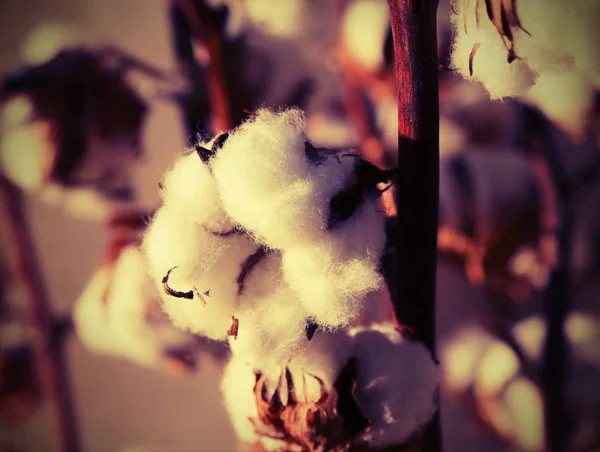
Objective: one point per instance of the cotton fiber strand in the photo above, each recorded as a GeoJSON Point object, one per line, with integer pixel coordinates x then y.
{"type": "Point", "coordinates": [397, 383]}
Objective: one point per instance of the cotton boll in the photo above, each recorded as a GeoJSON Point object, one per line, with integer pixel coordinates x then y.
{"type": "Point", "coordinates": [489, 64]}
{"type": "Point", "coordinates": [364, 30]}
{"type": "Point", "coordinates": [47, 39]}
{"type": "Point", "coordinates": [190, 190]}
{"type": "Point", "coordinates": [461, 355]}
{"type": "Point", "coordinates": [27, 154]}
{"type": "Point", "coordinates": [237, 387]}
{"type": "Point", "coordinates": [332, 277]}
{"type": "Point", "coordinates": [110, 314]}
{"type": "Point", "coordinates": [280, 19]}
{"type": "Point", "coordinates": [206, 264]}
{"type": "Point", "coordinates": [396, 386]}
{"type": "Point", "coordinates": [566, 98]}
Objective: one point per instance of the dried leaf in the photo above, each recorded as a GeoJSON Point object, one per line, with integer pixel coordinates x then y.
{"type": "Point", "coordinates": [189, 295]}
{"type": "Point", "coordinates": [472, 57]}
{"type": "Point", "coordinates": [247, 267]}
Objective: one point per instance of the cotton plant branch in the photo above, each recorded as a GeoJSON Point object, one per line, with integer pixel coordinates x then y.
{"type": "Point", "coordinates": [49, 356]}
{"type": "Point", "coordinates": [203, 28]}
{"type": "Point", "coordinates": [416, 64]}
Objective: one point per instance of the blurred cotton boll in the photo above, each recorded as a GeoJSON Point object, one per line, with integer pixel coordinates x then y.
{"type": "Point", "coordinates": [396, 384]}
{"type": "Point", "coordinates": [112, 315]}
{"type": "Point", "coordinates": [364, 31]}
{"type": "Point", "coordinates": [46, 39]}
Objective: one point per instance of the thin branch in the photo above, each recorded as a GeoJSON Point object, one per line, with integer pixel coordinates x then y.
{"type": "Point", "coordinates": [204, 29]}
{"type": "Point", "coordinates": [416, 64]}
{"type": "Point", "coordinates": [48, 353]}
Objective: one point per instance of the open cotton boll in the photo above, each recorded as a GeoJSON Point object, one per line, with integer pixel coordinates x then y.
{"type": "Point", "coordinates": [489, 64]}
{"type": "Point", "coordinates": [206, 264]}
{"type": "Point", "coordinates": [396, 384]}
{"type": "Point", "coordinates": [333, 276]}
{"type": "Point", "coordinates": [364, 31]}
{"type": "Point", "coordinates": [566, 98]}
{"type": "Point", "coordinates": [190, 191]}
{"type": "Point", "coordinates": [237, 387]}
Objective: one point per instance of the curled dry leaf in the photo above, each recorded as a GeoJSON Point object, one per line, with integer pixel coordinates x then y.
{"type": "Point", "coordinates": [189, 295]}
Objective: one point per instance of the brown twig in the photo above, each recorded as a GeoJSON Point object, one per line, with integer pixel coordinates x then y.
{"type": "Point", "coordinates": [203, 29]}
{"type": "Point", "coordinates": [416, 64]}
{"type": "Point", "coordinates": [48, 353]}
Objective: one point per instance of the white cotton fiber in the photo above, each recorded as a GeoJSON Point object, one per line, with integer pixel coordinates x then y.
{"type": "Point", "coordinates": [489, 64]}
{"type": "Point", "coordinates": [190, 191]}
{"type": "Point", "coordinates": [271, 331]}
{"type": "Point", "coordinates": [333, 276]}
{"type": "Point", "coordinates": [206, 264]}
{"type": "Point", "coordinates": [267, 183]}
{"type": "Point", "coordinates": [111, 314]}
{"type": "Point", "coordinates": [237, 387]}
{"type": "Point", "coordinates": [397, 384]}
{"type": "Point", "coordinates": [364, 30]}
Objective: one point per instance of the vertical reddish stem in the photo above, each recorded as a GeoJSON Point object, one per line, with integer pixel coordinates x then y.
{"type": "Point", "coordinates": [416, 64]}
{"type": "Point", "coordinates": [49, 356]}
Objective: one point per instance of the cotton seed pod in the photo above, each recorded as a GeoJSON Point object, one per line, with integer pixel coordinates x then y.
{"type": "Point", "coordinates": [112, 314]}
{"type": "Point", "coordinates": [396, 384]}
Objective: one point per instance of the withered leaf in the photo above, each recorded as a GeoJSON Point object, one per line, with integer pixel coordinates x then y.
{"type": "Point", "coordinates": [247, 267]}
{"type": "Point", "coordinates": [233, 329]}
{"type": "Point", "coordinates": [472, 57]}
{"type": "Point", "coordinates": [189, 295]}
{"type": "Point", "coordinates": [219, 142]}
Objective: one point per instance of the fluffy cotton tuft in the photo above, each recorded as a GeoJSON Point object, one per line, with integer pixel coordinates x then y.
{"type": "Point", "coordinates": [191, 192]}
{"type": "Point", "coordinates": [364, 31]}
{"type": "Point", "coordinates": [489, 64]}
{"type": "Point", "coordinates": [268, 185]}
{"type": "Point", "coordinates": [201, 262]}
{"type": "Point", "coordinates": [396, 386]}
{"type": "Point", "coordinates": [111, 314]}
{"type": "Point", "coordinates": [557, 65]}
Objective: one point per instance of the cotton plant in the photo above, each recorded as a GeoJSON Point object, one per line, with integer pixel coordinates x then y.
{"type": "Point", "coordinates": [117, 315]}
{"type": "Point", "coordinates": [505, 46]}
{"type": "Point", "coordinates": [506, 393]}
{"type": "Point", "coordinates": [365, 386]}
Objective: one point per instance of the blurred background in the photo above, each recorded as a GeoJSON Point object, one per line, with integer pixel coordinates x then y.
{"type": "Point", "coordinates": [98, 97]}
